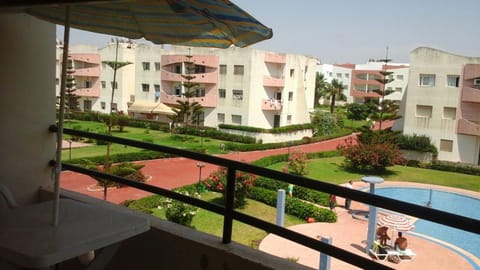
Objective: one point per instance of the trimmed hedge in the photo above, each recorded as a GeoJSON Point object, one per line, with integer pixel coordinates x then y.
{"type": "Point", "coordinates": [293, 206]}
{"type": "Point", "coordinates": [215, 134]}
{"type": "Point", "coordinates": [270, 160]}
{"type": "Point", "coordinates": [283, 129]}
{"type": "Point", "coordinates": [455, 167]}
{"type": "Point", "coordinates": [253, 147]}
{"type": "Point", "coordinates": [302, 193]}
{"type": "Point", "coordinates": [124, 157]}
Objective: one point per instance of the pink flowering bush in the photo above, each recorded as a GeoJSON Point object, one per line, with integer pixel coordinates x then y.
{"type": "Point", "coordinates": [372, 157]}
{"type": "Point", "coordinates": [217, 181]}
{"type": "Point", "coordinates": [297, 163]}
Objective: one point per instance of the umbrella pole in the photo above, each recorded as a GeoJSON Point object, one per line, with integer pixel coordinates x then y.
{"type": "Point", "coordinates": [61, 114]}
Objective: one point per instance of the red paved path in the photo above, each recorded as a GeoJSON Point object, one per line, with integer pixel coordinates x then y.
{"type": "Point", "coordinates": [176, 172]}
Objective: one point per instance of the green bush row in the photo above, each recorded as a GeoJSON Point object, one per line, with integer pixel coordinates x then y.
{"type": "Point", "coordinates": [302, 193]}
{"type": "Point", "coordinates": [293, 206]}
{"type": "Point", "coordinates": [123, 157]}
{"type": "Point", "coordinates": [283, 129]}
{"type": "Point", "coordinates": [265, 146]}
{"type": "Point", "coordinates": [421, 143]}
{"type": "Point", "coordinates": [215, 134]}
{"type": "Point", "coordinates": [270, 160]}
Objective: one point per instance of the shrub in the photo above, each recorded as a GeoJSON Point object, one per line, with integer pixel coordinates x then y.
{"type": "Point", "coordinates": [372, 157]}
{"type": "Point", "coordinates": [421, 143]}
{"type": "Point", "coordinates": [217, 181]}
{"type": "Point", "coordinates": [180, 212]}
{"type": "Point", "coordinates": [124, 157]}
{"type": "Point", "coordinates": [297, 163]}
{"type": "Point", "coordinates": [293, 206]}
{"type": "Point", "coordinates": [126, 170]}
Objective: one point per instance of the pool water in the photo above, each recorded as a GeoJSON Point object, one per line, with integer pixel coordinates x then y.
{"type": "Point", "coordinates": [445, 201]}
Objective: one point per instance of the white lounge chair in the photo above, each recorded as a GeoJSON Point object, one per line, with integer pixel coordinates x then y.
{"type": "Point", "coordinates": [382, 256]}
{"type": "Point", "coordinates": [405, 255]}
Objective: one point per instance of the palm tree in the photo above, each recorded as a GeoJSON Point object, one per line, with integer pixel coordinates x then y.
{"type": "Point", "coordinates": [334, 91]}
{"type": "Point", "coordinates": [320, 87]}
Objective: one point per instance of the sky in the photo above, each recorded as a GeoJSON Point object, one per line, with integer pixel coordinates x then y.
{"type": "Point", "coordinates": [352, 31]}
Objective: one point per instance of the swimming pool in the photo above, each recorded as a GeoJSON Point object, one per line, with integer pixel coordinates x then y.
{"type": "Point", "coordinates": [446, 201]}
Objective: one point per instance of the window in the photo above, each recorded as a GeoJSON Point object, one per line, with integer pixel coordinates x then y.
{"type": "Point", "coordinates": [424, 111]}
{"type": "Point", "coordinates": [102, 105]}
{"type": "Point", "coordinates": [289, 119]}
{"type": "Point", "coordinates": [237, 94]}
{"type": "Point", "coordinates": [157, 66]}
{"type": "Point", "coordinates": [449, 113]}
{"type": "Point", "coordinates": [339, 75]}
{"type": "Point", "coordinates": [200, 92]}
{"type": "Point", "coordinates": [427, 80]}
{"type": "Point", "coordinates": [398, 89]}
{"type": "Point", "coordinates": [223, 69]}
{"type": "Point", "coordinates": [104, 84]}
{"type": "Point", "coordinates": [238, 69]}
{"type": "Point", "coordinates": [389, 88]}
{"type": "Point", "coordinates": [399, 77]}
{"type": "Point", "coordinates": [292, 72]}
{"type": "Point", "coordinates": [146, 65]}
{"type": "Point", "coordinates": [116, 85]}
{"type": "Point", "coordinates": [178, 68]}
{"type": "Point", "coordinates": [221, 118]}
{"type": "Point", "coordinates": [290, 96]}
{"type": "Point", "coordinates": [157, 91]}
{"type": "Point", "coordinates": [476, 82]}
{"type": "Point", "coordinates": [88, 84]}
{"type": "Point", "coordinates": [57, 81]}
{"type": "Point", "coordinates": [222, 93]}
{"type": "Point", "coordinates": [114, 107]}
{"type": "Point", "coordinates": [236, 119]}
{"type": "Point", "coordinates": [347, 75]}
{"type": "Point", "coordinates": [446, 145]}
{"type": "Point", "coordinates": [199, 69]}
{"type": "Point", "coordinates": [145, 87]}
{"type": "Point", "coordinates": [87, 105]}
{"type": "Point", "coordinates": [453, 80]}
{"type": "Point", "coordinates": [177, 90]}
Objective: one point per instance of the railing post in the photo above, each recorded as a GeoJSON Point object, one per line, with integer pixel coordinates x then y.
{"type": "Point", "coordinates": [229, 199]}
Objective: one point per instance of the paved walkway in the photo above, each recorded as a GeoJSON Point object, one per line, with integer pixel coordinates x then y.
{"type": "Point", "coordinates": [177, 172]}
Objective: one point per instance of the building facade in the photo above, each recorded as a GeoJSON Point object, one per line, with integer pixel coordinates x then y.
{"type": "Point", "coordinates": [240, 86]}
{"type": "Point", "coordinates": [443, 102]}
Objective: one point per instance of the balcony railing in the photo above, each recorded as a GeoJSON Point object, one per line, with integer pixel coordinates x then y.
{"type": "Point", "coordinates": [229, 214]}
{"type": "Point", "coordinates": [271, 105]}
{"type": "Point", "coordinates": [273, 82]}
{"type": "Point", "coordinates": [468, 127]}
{"type": "Point", "coordinates": [470, 94]}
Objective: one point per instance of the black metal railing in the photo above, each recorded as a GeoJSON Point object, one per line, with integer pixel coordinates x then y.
{"type": "Point", "coordinates": [442, 217]}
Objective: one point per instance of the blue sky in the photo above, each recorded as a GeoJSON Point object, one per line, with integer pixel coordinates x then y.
{"type": "Point", "coordinates": [354, 31]}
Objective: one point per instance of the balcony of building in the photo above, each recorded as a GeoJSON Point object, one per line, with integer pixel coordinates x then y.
{"type": "Point", "coordinates": [207, 101]}
{"type": "Point", "coordinates": [87, 72]}
{"type": "Point", "coordinates": [275, 58]}
{"type": "Point", "coordinates": [166, 245]}
{"type": "Point", "coordinates": [467, 127]}
{"type": "Point", "coordinates": [271, 105]}
{"type": "Point", "coordinates": [210, 61]}
{"type": "Point", "coordinates": [93, 91]}
{"type": "Point", "coordinates": [207, 78]}
{"type": "Point", "coordinates": [470, 94]}
{"type": "Point", "coordinates": [363, 94]}
{"type": "Point", "coordinates": [269, 81]}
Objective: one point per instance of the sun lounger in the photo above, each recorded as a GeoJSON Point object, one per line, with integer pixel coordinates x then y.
{"type": "Point", "coordinates": [405, 255]}
{"type": "Point", "coordinates": [382, 253]}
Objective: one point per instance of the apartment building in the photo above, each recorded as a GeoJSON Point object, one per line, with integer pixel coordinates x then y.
{"type": "Point", "coordinates": [443, 102]}
{"type": "Point", "coordinates": [360, 80]}
{"type": "Point", "coordinates": [242, 86]}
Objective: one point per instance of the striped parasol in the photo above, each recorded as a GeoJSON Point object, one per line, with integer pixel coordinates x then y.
{"type": "Point", "coordinates": [396, 222]}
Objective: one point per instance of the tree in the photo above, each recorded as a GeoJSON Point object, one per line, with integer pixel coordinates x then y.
{"type": "Point", "coordinates": [71, 99]}
{"type": "Point", "coordinates": [320, 87]}
{"type": "Point", "coordinates": [115, 65]}
{"type": "Point", "coordinates": [334, 91]}
{"type": "Point", "coordinates": [186, 111]}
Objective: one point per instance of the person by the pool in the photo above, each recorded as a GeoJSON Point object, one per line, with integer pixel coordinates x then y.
{"type": "Point", "coordinates": [401, 242]}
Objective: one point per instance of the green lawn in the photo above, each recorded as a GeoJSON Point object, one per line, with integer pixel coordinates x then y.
{"type": "Point", "coordinates": [139, 134]}
{"type": "Point", "coordinates": [212, 223]}
{"type": "Point", "coordinates": [330, 170]}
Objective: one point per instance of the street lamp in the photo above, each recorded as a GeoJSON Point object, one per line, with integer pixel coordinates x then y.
{"type": "Point", "coordinates": [200, 165]}
{"type": "Point", "coordinates": [70, 149]}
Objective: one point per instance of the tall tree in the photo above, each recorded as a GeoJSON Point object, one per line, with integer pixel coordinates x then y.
{"type": "Point", "coordinates": [334, 91]}
{"type": "Point", "coordinates": [387, 109]}
{"type": "Point", "coordinates": [186, 110]}
{"type": "Point", "coordinates": [115, 65]}
{"type": "Point", "coordinates": [320, 87]}
{"type": "Point", "coordinates": [71, 99]}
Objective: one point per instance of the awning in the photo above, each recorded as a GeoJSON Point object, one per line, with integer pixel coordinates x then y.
{"type": "Point", "coordinates": [150, 107]}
